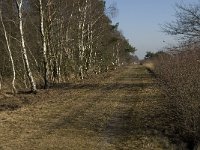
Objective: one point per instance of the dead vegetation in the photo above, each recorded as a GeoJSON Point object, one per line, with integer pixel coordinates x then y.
{"type": "Point", "coordinates": [177, 73]}
{"type": "Point", "coordinates": [120, 110]}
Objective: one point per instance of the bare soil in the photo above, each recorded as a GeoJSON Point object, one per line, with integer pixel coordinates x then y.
{"type": "Point", "coordinates": [122, 109]}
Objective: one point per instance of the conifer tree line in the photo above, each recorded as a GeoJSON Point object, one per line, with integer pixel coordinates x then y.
{"type": "Point", "coordinates": [53, 41]}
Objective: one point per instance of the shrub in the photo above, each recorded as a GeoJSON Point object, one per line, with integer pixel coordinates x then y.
{"type": "Point", "coordinates": [179, 76]}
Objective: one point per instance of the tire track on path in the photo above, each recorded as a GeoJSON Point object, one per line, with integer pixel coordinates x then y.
{"type": "Point", "coordinates": [119, 112]}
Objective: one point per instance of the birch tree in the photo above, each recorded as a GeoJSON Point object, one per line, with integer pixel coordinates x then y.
{"type": "Point", "coordinates": [24, 51]}
{"type": "Point", "coordinates": [64, 39]}
{"type": "Point", "coordinates": [82, 30]}
{"type": "Point", "coordinates": [45, 60]}
{"type": "Point", "coordinates": [9, 52]}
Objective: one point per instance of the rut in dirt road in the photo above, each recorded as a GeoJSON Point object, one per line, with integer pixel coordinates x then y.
{"type": "Point", "coordinates": [123, 110]}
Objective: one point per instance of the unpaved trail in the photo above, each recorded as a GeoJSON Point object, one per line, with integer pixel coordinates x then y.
{"type": "Point", "coordinates": [122, 111]}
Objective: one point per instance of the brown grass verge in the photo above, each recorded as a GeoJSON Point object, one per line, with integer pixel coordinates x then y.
{"type": "Point", "coordinates": [123, 110]}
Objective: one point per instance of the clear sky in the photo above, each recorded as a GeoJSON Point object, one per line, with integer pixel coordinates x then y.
{"type": "Point", "coordinates": [140, 22]}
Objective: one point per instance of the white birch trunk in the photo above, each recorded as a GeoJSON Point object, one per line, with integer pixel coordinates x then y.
{"type": "Point", "coordinates": [82, 31]}
{"type": "Point", "coordinates": [91, 46]}
{"type": "Point", "coordinates": [24, 51]}
{"type": "Point", "coordinates": [10, 54]}
{"type": "Point", "coordinates": [45, 60]}
{"type": "Point", "coordinates": [117, 55]}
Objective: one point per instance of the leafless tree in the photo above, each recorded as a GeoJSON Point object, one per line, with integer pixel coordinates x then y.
{"type": "Point", "coordinates": [9, 51]}
{"type": "Point", "coordinates": [44, 42]}
{"type": "Point", "coordinates": [187, 23]}
{"type": "Point", "coordinates": [24, 51]}
{"type": "Point", "coordinates": [60, 40]}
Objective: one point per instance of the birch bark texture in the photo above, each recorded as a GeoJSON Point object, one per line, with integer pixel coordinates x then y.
{"type": "Point", "coordinates": [44, 43]}
{"type": "Point", "coordinates": [24, 51]}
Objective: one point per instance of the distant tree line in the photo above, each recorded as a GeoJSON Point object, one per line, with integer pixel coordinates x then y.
{"type": "Point", "coordinates": [53, 41]}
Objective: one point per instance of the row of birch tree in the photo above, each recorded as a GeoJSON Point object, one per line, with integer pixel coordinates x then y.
{"type": "Point", "coordinates": [53, 41]}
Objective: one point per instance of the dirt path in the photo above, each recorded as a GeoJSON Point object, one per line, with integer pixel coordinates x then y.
{"type": "Point", "coordinates": [123, 111]}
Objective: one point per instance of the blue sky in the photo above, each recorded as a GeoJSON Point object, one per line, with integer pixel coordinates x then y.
{"type": "Point", "coordinates": [140, 21]}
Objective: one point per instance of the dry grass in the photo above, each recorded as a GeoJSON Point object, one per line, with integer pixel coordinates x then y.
{"type": "Point", "coordinates": [119, 110]}
{"type": "Point", "coordinates": [149, 64]}
{"type": "Point", "coordinates": [180, 81]}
